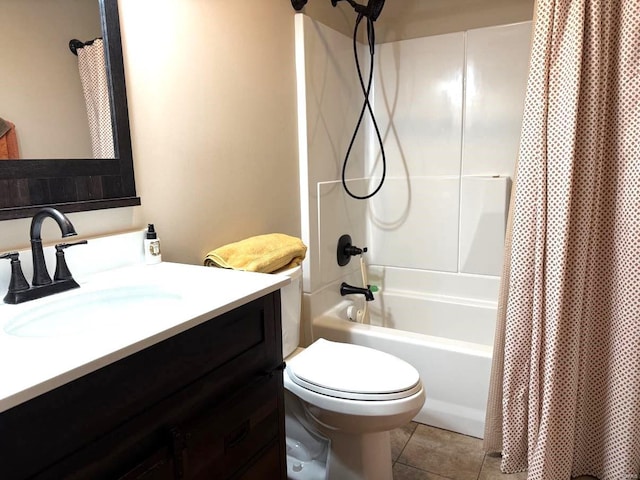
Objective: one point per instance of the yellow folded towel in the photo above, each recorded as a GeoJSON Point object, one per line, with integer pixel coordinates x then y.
{"type": "Point", "coordinates": [264, 253]}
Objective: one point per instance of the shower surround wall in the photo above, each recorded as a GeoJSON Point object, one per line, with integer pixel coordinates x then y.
{"type": "Point", "coordinates": [449, 109]}
{"type": "Point", "coordinates": [329, 98]}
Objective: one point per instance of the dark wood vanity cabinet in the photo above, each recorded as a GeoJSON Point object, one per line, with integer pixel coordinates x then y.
{"type": "Point", "coordinates": [207, 403]}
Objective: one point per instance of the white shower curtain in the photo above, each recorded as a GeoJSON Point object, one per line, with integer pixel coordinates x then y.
{"type": "Point", "coordinates": [93, 74]}
{"type": "Point", "coordinates": [565, 387]}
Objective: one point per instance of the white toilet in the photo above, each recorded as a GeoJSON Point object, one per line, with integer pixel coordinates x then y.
{"type": "Point", "coordinates": [341, 402]}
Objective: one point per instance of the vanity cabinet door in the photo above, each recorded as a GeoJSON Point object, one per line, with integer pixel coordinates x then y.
{"type": "Point", "coordinates": [225, 441]}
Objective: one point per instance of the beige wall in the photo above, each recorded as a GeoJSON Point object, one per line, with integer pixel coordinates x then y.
{"type": "Point", "coordinates": [212, 101]}
{"type": "Point", "coordinates": [404, 19]}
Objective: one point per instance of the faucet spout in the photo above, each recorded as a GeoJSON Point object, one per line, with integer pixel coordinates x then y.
{"type": "Point", "coordinates": [40, 273]}
{"type": "Point", "coordinates": [346, 289]}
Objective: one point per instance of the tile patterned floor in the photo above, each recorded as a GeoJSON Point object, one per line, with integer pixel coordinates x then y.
{"type": "Point", "coordinates": [421, 452]}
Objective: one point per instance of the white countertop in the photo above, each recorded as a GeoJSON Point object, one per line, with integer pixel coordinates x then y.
{"type": "Point", "coordinates": [30, 366]}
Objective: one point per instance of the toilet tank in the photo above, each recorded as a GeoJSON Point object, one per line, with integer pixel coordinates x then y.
{"type": "Point", "coordinates": [291, 302]}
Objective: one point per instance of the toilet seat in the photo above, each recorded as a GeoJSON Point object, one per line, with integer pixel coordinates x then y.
{"type": "Point", "coordinates": [353, 372]}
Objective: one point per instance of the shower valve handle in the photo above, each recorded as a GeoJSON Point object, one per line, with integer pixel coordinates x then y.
{"type": "Point", "coordinates": [353, 250]}
{"type": "Point", "coordinates": [346, 250]}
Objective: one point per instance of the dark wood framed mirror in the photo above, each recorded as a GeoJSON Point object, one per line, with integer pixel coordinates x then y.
{"type": "Point", "coordinates": [79, 184]}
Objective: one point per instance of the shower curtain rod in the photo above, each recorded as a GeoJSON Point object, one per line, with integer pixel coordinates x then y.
{"type": "Point", "coordinates": [75, 44]}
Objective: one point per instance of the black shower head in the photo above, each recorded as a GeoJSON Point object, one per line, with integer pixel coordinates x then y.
{"type": "Point", "coordinates": [372, 10]}
{"type": "Point", "coordinates": [298, 4]}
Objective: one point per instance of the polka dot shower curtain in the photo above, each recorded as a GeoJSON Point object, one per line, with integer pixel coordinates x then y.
{"type": "Point", "coordinates": [93, 74]}
{"type": "Point", "coordinates": [565, 387]}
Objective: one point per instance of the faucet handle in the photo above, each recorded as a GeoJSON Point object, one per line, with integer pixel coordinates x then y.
{"type": "Point", "coordinates": [61, 246]}
{"type": "Point", "coordinates": [62, 270]}
{"type": "Point", "coordinates": [353, 250]}
{"type": "Point", "coordinates": [17, 283]}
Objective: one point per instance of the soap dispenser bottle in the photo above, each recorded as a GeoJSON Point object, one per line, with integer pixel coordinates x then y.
{"type": "Point", "coordinates": [152, 246]}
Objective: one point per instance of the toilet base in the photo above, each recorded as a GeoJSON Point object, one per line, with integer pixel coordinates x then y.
{"type": "Point", "coordinates": [313, 447]}
{"type": "Point", "coordinates": [359, 457]}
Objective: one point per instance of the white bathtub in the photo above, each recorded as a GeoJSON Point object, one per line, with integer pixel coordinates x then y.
{"type": "Point", "coordinates": [448, 339]}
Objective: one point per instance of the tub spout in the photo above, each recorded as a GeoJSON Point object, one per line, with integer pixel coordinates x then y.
{"type": "Point", "coordinates": [346, 289]}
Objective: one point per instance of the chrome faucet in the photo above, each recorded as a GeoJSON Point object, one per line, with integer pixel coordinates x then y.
{"type": "Point", "coordinates": [346, 289]}
{"type": "Point", "coordinates": [42, 285]}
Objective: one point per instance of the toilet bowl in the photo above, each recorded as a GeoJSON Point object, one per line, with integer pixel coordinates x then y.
{"type": "Point", "coordinates": [341, 402]}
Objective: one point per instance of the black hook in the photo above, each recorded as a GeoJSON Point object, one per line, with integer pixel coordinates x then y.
{"type": "Point", "coordinates": [74, 45]}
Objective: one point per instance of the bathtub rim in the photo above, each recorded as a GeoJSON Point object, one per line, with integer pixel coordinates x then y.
{"type": "Point", "coordinates": [443, 343]}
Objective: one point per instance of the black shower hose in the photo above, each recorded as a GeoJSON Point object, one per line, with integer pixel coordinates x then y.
{"type": "Point", "coordinates": [371, 37]}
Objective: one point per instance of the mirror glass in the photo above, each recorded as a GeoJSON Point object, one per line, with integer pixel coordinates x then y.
{"type": "Point", "coordinates": [52, 102]}
{"type": "Point", "coordinates": [42, 96]}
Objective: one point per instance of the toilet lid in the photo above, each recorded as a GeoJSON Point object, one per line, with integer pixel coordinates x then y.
{"type": "Point", "coordinates": [353, 372]}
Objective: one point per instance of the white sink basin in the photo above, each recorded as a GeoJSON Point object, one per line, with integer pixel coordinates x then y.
{"type": "Point", "coordinates": [80, 312]}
